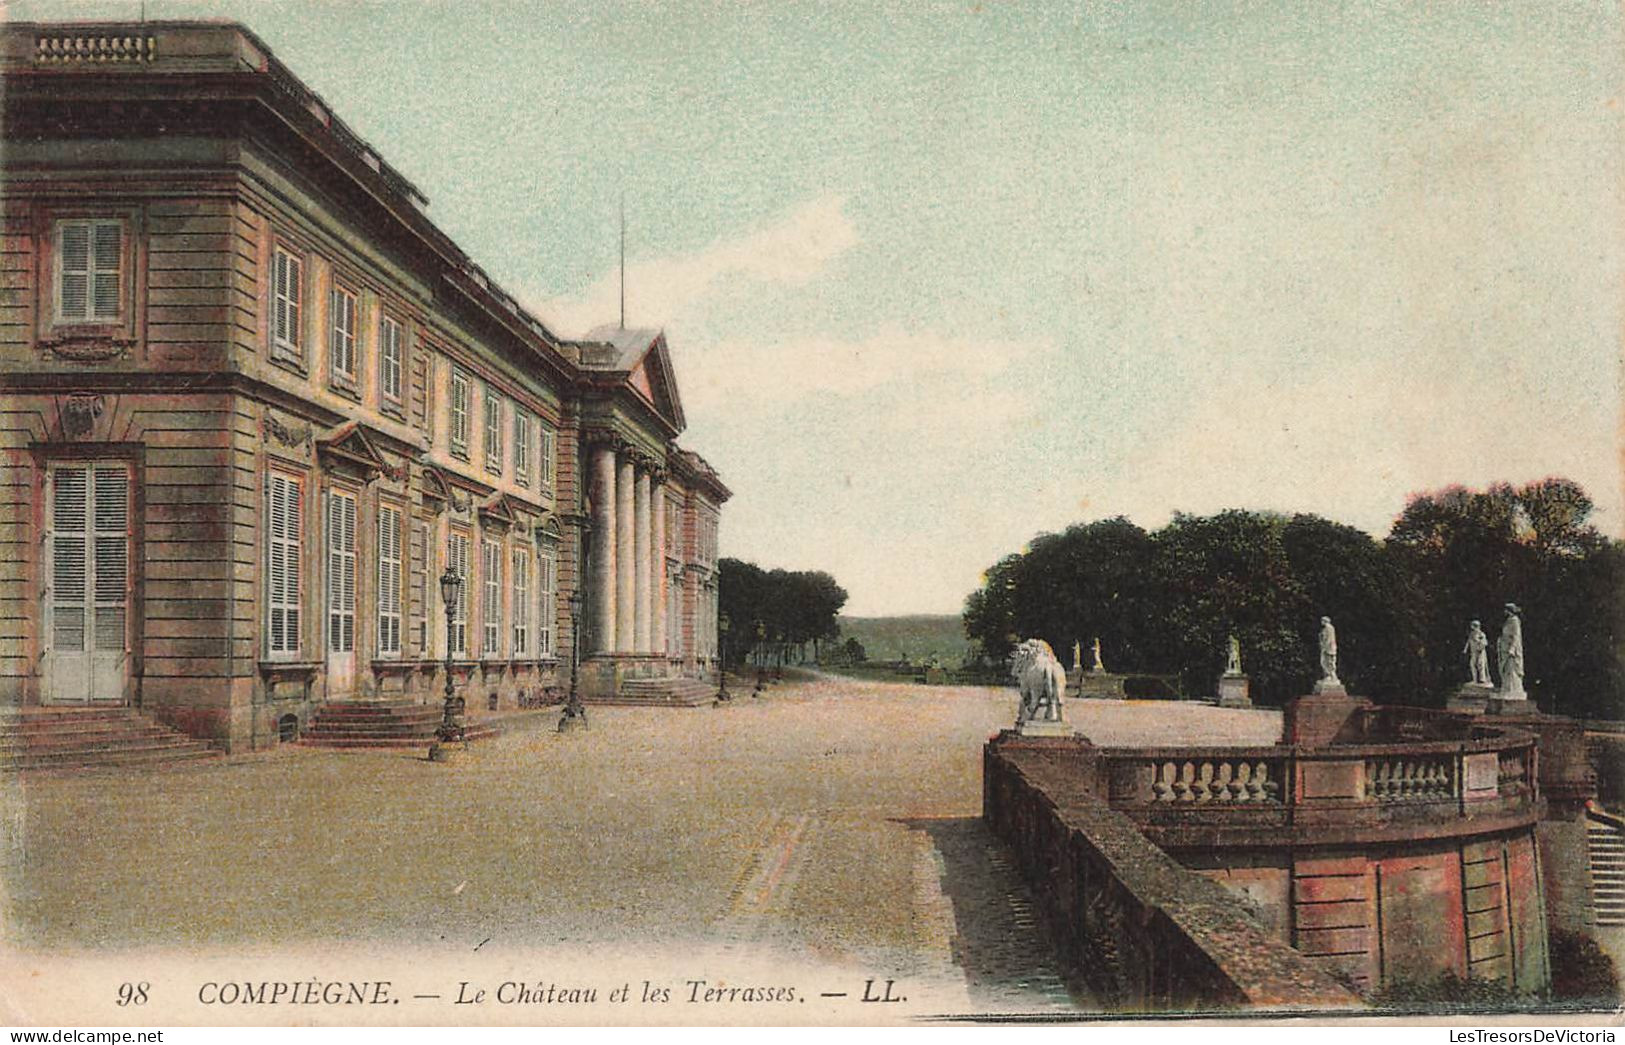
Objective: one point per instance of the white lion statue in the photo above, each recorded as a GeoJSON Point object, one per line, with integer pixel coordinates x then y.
{"type": "Point", "coordinates": [1042, 681]}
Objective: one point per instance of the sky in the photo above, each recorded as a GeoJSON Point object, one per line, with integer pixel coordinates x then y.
{"type": "Point", "coordinates": [939, 277]}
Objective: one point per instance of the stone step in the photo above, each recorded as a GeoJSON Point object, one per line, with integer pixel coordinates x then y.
{"type": "Point", "coordinates": [90, 760]}
{"type": "Point", "coordinates": [473, 733]}
{"type": "Point", "coordinates": [46, 738]}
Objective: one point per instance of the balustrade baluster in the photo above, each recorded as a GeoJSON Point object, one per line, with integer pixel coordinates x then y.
{"type": "Point", "coordinates": [1182, 785]}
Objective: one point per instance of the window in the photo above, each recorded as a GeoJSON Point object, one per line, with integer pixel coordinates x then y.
{"type": "Point", "coordinates": [457, 562]}
{"type": "Point", "coordinates": [340, 572]}
{"type": "Point", "coordinates": [491, 575]}
{"type": "Point", "coordinates": [341, 336]}
{"type": "Point", "coordinates": [493, 432]}
{"type": "Point", "coordinates": [521, 447]}
{"type": "Point", "coordinates": [389, 358]}
{"type": "Point", "coordinates": [389, 580]}
{"type": "Point", "coordinates": [547, 586]}
{"type": "Point", "coordinates": [90, 255]}
{"type": "Point", "coordinates": [547, 443]}
{"type": "Point", "coordinates": [282, 507]}
{"type": "Point", "coordinates": [287, 291]}
{"type": "Point", "coordinates": [521, 602]}
{"type": "Point", "coordinates": [420, 577]}
{"type": "Point", "coordinates": [459, 412]}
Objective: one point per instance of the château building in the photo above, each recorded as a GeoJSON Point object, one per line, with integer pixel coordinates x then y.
{"type": "Point", "coordinates": [253, 403]}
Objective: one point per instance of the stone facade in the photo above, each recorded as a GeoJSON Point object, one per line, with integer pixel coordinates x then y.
{"type": "Point", "coordinates": [256, 402]}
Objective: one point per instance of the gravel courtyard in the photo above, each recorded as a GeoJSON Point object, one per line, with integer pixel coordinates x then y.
{"type": "Point", "coordinates": [832, 823]}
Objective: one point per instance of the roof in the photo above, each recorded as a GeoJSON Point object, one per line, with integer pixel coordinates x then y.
{"type": "Point", "coordinates": [629, 345]}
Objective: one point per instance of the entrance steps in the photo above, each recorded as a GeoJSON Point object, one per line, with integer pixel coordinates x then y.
{"type": "Point", "coordinates": [1605, 844]}
{"type": "Point", "coordinates": [672, 691]}
{"type": "Point", "coordinates": [374, 725]}
{"type": "Point", "coordinates": [77, 738]}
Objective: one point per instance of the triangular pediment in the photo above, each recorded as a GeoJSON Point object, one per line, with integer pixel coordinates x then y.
{"type": "Point", "coordinates": [654, 380]}
{"type": "Point", "coordinates": [349, 447]}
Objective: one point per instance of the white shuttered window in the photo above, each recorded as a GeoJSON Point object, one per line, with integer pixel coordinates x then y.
{"type": "Point", "coordinates": [521, 446]}
{"type": "Point", "coordinates": [287, 294]}
{"type": "Point", "coordinates": [340, 572]}
{"type": "Point", "coordinates": [521, 602]}
{"type": "Point", "coordinates": [459, 411]}
{"type": "Point", "coordinates": [389, 358]}
{"type": "Point", "coordinates": [389, 580]}
{"type": "Point", "coordinates": [457, 562]}
{"type": "Point", "coordinates": [547, 577]}
{"type": "Point", "coordinates": [283, 525]}
{"type": "Point", "coordinates": [341, 335]}
{"type": "Point", "coordinates": [90, 256]}
{"type": "Point", "coordinates": [491, 615]}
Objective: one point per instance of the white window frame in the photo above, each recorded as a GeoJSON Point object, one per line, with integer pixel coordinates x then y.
{"type": "Point", "coordinates": [284, 542]}
{"type": "Point", "coordinates": [287, 300]}
{"type": "Point", "coordinates": [343, 562]}
{"type": "Point", "coordinates": [461, 400]}
{"type": "Point", "coordinates": [493, 431]}
{"type": "Point", "coordinates": [491, 604]}
{"type": "Point", "coordinates": [342, 346]}
{"type": "Point", "coordinates": [547, 583]}
{"type": "Point", "coordinates": [91, 315]}
{"type": "Point", "coordinates": [391, 360]}
{"type": "Point", "coordinates": [390, 567]}
{"type": "Point", "coordinates": [457, 551]}
{"type": "Point", "coordinates": [548, 442]}
{"type": "Point", "coordinates": [521, 601]}
{"type": "Point", "coordinates": [521, 445]}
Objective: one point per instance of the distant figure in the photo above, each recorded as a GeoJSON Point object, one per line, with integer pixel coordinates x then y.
{"type": "Point", "coordinates": [1098, 665]}
{"type": "Point", "coordinates": [1232, 664]}
{"type": "Point", "coordinates": [1478, 657]}
{"type": "Point", "coordinates": [1509, 650]}
{"type": "Point", "coordinates": [1042, 681]}
{"type": "Point", "coordinates": [1328, 651]}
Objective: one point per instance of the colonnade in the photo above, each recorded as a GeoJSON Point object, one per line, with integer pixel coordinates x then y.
{"type": "Point", "coordinates": [629, 556]}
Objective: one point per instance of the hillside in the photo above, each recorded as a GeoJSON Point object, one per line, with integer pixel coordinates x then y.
{"type": "Point", "coordinates": [915, 638]}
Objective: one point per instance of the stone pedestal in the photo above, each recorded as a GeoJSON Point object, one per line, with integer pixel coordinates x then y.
{"type": "Point", "coordinates": [1472, 697]}
{"type": "Point", "coordinates": [1315, 721]}
{"type": "Point", "coordinates": [1037, 727]}
{"type": "Point", "coordinates": [1330, 688]}
{"type": "Point", "coordinates": [1234, 692]}
{"type": "Point", "coordinates": [1099, 685]}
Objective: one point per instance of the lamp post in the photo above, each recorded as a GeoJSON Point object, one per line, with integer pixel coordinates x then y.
{"type": "Point", "coordinates": [575, 713]}
{"type": "Point", "coordinates": [451, 724]}
{"type": "Point", "coordinates": [723, 695]}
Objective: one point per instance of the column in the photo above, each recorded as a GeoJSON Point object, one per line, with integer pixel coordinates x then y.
{"type": "Point", "coordinates": [603, 548]}
{"type": "Point", "coordinates": [625, 576]}
{"type": "Point", "coordinates": [640, 552]}
{"type": "Point", "coordinates": [657, 566]}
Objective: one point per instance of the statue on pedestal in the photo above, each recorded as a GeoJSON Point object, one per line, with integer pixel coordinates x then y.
{"type": "Point", "coordinates": [1478, 659]}
{"type": "Point", "coordinates": [1509, 651]}
{"type": "Point", "coordinates": [1042, 681]}
{"type": "Point", "coordinates": [1098, 665]}
{"type": "Point", "coordinates": [1328, 653]}
{"type": "Point", "coordinates": [1232, 664]}
{"type": "Point", "coordinates": [1077, 654]}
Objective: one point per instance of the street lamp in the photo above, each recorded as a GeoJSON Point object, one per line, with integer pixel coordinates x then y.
{"type": "Point", "coordinates": [722, 670]}
{"type": "Point", "coordinates": [451, 724]}
{"type": "Point", "coordinates": [575, 713]}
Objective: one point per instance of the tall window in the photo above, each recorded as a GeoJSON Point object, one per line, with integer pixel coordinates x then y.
{"type": "Point", "coordinates": [547, 561]}
{"type": "Point", "coordinates": [341, 335]}
{"type": "Point", "coordinates": [89, 257]}
{"type": "Point", "coordinates": [389, 580]}
{"type": "Point", "coordinates": [340, 572]}
{"type": "Point", "coordinates": [282, 524]}
{"type": "Point", "coordinates": [521, 446]}
{"type": "Point", "coordinates": [287, 292]}
{"type": "Point", "coordinates": [548, 442]}
{"type": "Point", "coordinates": [493, 432]}
{"type": "Point", "coordinates": [459, 412]}
{"type": "Point", "coordinates": [457, 562]}
{"type": "Point", "coordinates": [389, 358]}
{"type": "Point", "coordinates": [420, 579]}
{"type": "Point", "coordinates": [491, 575]}
{"type": "Point", "coordinates": [521, 602]}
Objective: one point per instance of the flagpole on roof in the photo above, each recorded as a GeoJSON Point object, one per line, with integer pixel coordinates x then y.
{"type": "Point", "coordinates": [623, 259]}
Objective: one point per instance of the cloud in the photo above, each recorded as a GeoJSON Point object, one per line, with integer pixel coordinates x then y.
{"type": "Point", "coordinates": [790, 251]}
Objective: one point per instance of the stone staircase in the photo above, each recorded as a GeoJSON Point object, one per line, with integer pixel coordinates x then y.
{"type": "Point", "coordinates": [672, 691]}
{"type": "Point", "coordinates": [91, 737]}
{"type": "Point", "coordinates": [1605, 842]}
{"type": "Point", "coordinates": [372, 725]}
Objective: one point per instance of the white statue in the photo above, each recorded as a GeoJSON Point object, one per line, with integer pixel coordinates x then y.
{"type": "Point", "coordinates": [1098, 665]}
{"type": "Point", "coordinates": [1042, 681]}
{"type": "Point", "coordinates": [1077, 654]}
{"type": "Point", "coordinates": [1509, 651]}
{"type": "Point", "coordinates": [1478, 658]}
{"type": "Point", "coordinates": [1328, 652]}
{"type": "Point", "coordinates": [1232, 664]}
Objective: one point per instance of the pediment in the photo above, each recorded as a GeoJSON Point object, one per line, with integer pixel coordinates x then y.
{"type": "Point", "coordinates": [348, 447]}
{"type": "Point", "coordinates": [652, 377]}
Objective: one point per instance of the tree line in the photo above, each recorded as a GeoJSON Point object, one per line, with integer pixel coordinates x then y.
{"type": "Point", "coordinates": [766, 616]}
{"type": "Point", "coordinates": [1164, 602]}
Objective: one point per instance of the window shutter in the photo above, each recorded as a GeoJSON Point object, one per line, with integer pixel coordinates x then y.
{"type": "Point", "coordinates": [75, 248]}
{"type": "Point", "coordinates": [108, 256]}
{"type": "Point", "coordinates": [70, 490]}
{"type": "Point", "coordinates": [112, 493]}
